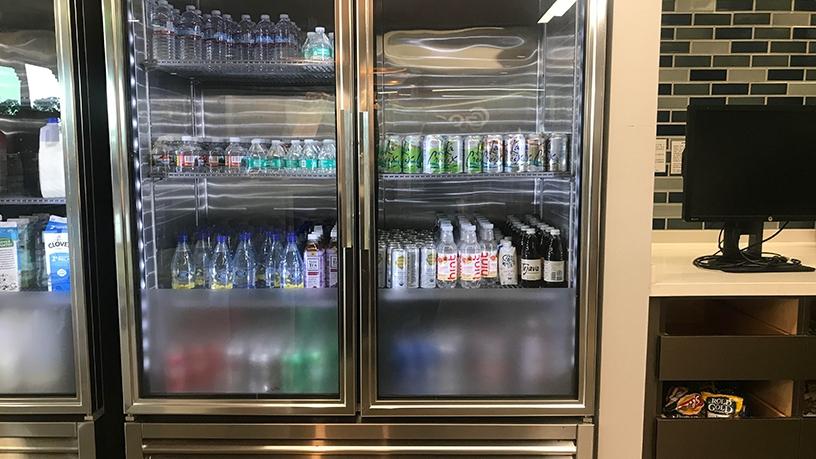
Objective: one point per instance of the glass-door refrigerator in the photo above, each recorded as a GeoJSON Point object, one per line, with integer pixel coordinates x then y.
{"type": "Point", "coordinates": [233, 184]}
{"type": "Point", "coordinates": [51, 304]}
{"type": "Point", "coordinates": [480, 147]}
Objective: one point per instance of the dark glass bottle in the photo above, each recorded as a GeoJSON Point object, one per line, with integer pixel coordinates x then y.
{"type": "Point", "coordinates": [554, 272]}
{"type": "Point", "coordinates": [530, 260]}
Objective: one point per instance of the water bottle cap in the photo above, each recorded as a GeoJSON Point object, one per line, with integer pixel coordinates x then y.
{"type": "Point", "coordinates": [328, 141]}
{"type": "Point", "coordinates": [488, 226]}
{"type": "Point", "coordinates": [313, 237]}
{"type": "Point", "coordinates": [234, 139]}
{"type": "Point", "coordinates": [264, 17]}
{"type": "Point", "coordinates": [162, 2]}
{"type": "Point", "coordinates": [284, 16]}
{"type": "Point", "coordinates": [296, 142]}
{"type": "Point", "coordinates": [245, 236]}
{"type": "Point", "coordinates": [275, 235]}
{"type": "Point", "coordinates": [245, 16]}
{"type": "Point", "coordinates": [182, 237]}
{"type": "Point", "coordinates": [186, 138]}
{"type": "Point", "coordinates": [227, 16]}
{"type": "Point", "coordinates": [220, 238]}
{"type": "Point", "coordinates": [257, 141]}
{"type": "Point", "coordinates": [215, 12]}
{"type": "Point", "coordinates": [53, 120]}
{"type": "Point", "coordinates": [310, 34]}
{"type": "Point", "coordinates": [291, 237]}
{"type": "Point", "coordinates": [275, 142]}
{"type": "Point", "coordinates": [320, 29]}
{"type": "Point", "coordinates": [190, 7]}
{"type": "Point", "coordinates": [555, 232]}
{"type": "Point", "coordinates": [309, 140]}
{"type": "Point", "coordinates": [529, 231]}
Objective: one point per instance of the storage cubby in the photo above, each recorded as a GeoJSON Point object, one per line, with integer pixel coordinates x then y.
{"type": "Point", "coordinates": [730, 316]}
{"type": "Point", "coordinates": [762, 399]}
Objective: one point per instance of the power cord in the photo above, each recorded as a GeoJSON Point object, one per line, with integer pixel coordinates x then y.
{"type": "Point", "coordinates": [716, 261]}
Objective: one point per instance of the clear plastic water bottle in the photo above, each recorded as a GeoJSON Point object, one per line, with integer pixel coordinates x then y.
{"type": "Point", "coordinates": [187, 154]}
{"type": "Point", "coordinates": [201, 261]}
{"type": "Point", "coordinates": [263, 40]}
{"type": "Point", "coordinates": [311, 154]}
{"type": "Point", "coordinates": [245, 38]}
{"type": "Point", "coordinates": [182, 265]}
{"type": "Point", "coordinates": [272, 266]}
{"type": "Point", "coordinates": [328, 157]}
{"type": "Point", "coordinates": [470, 266]}
{"type": "Point", "coordinates": [291, 266]}
{"type": "Point", "coordinates": [489, 258]}
{"type": "Point", "coordinates": [286, 41]}
{"type": "Point", "coordinates": [164, 31]}
{"type": "Point", "coordinates": [447, 261]}
{"type": "Point", "coordinates": [221, 265]}
{"type": "Point", "coordinates": [262, 258]}
{"type": "Point", "coordinates": [294, 156]}
{"type": "Point", "coordinates": [161, 156]}
{"type": "Point", "coordinates": [243, 264]}
{"type": "Point", "coordinates": [230, 34]}
{"type": "Point", "coordinates": [257, 156]}
{"type": "Point", "coordinates": [322, 48]}
{"type": "Point", "coordinates": [275, 156]}
{"type": "Point", "coordinates": [189, 35]}
{"type": "Point", "coordinates": [236, 155]}
{"type": "Point", "coordinates": [308, 45]}
{"type": "Point", "coordinates": [214, 37]}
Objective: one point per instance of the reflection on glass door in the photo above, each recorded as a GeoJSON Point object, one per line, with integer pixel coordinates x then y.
{"type": "Point", "coordinates": [478, 126]}
{"type": "Point", "coordinates": [36, 313]}
{"type": "Point", "coordinates": [237, 236]}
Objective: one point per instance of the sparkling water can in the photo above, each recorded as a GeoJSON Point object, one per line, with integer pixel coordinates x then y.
{"type": "Point", "coordinates": [534, 153]}
{"type": "Point", "coordinates": [412, 263]}
{"type": "Point", "coordinates": [433, 155]}
{"type": "Point", "coordinates": [412, 154]}
{"type": "Point", "coordinates": [392, 155]}
{"type": "Point", "coordinates": [399, 268]}
{"type": "Point", "coordinates": [493, 153]}
{"type": "Point", "coordinates": [558, 155]}
{"type": "Point", "coordinates": [454, 156]}
{"type": "Point", "coordinates": [473, 154]}
{"type": "Point", "coordinates": [427, 266]}
{"type": "Point", "coordinates": [515, 157]}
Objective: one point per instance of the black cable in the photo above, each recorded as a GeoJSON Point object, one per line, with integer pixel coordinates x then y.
{"type": "Point", "coordinates": [716, 261]}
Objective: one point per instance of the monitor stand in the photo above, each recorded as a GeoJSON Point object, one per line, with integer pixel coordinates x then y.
{"type": "Point", "coordinates": [736, 260]}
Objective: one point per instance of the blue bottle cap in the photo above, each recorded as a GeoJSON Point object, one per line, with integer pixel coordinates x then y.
{"type": "Point", "coordinates": [182, 237]}
{"type": "Point", "coordinates": [291, 237]}
{"type": "Point", "coordinates": [221, 238]}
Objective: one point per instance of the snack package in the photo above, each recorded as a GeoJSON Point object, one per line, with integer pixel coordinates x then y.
{"type": "Point", "coordinates": [57, 259]}
{"type": "Point", "coordinates": [680, 403]}
{"type": "Point", "coordinates": [723, 405]}
{"type": "Point", "coordinates": [9, 261]}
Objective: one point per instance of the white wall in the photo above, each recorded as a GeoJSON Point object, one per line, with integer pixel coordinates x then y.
{"type": "Point", "coordinates": [632, 73]}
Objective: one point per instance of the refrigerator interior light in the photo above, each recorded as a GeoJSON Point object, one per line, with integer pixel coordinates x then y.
{"type": "Point", "coordinates": [556, 10]}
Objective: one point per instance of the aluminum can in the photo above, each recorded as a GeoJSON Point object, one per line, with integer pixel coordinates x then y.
{"type": "Point", "coordinates": [427, 266]}
{"type": "Point", "coordinates": [473, 154]}
{"type": "Point", "coordinates": [399, 268]}
{"type": "Point", "coordinates": [381, 281]}
{"type": "Point", "coordinates": [534, 153]}
{"type": "Point", "coordinates": [412, 263]}
{"type": "Point", "coordinates": [392, 155]}
{"type": "Point", "coordinates": [515, 153]}
{"type": "Point", "coordinates": [433, 155]}
{"type": "Point", "coordinates": [558, 155]}
{"type": "Point", "coordinates": [493, 154]}
{"type": "Point", "coordinates": [412, 154]}
{"type": "Point", "coordinates": [389, 255]}
{"type": "Point", "coordinates": [454, 156]}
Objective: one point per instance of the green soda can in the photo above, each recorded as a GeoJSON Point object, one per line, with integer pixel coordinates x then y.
{"type": "Point", "coordinates": [433, 155]}
{"type": "Point", "coordinates": [473, 154]}
{"type": "Point", "coordinates": [392, 155]}
{"type": "Point", "coordinates": [454, 156]}
{"type": "Point", "coordinates": [412, 154]}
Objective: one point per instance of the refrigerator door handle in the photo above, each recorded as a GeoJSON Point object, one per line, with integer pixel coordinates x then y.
{"type": "Point", "coordinates": [365, 178]}
{"type": "Point", "coordinates": [347, 172]}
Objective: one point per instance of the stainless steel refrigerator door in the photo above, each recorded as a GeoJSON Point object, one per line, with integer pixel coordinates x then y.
{"type": "Point", "coordinates": [167, 331]}
{"type": "Point", "coordinates": [44, 367]}
{"type": "Point", "coordinates": [474, 69]}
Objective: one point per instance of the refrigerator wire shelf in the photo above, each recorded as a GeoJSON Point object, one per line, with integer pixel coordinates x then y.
{"type": "Point", "coordinates": [301, 72]}
{"type": "Point", "coordinates": [31, 201]}
{"type": "Point", "coordinates": [247, 175]}
{"type": "Point", "coordinates": [489, 175]}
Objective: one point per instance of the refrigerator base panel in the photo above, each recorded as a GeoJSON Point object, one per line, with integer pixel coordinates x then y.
{"type": "Point", "coordinates": [47, 440]}
{"type": "Point", "coordinates": [177, 440]}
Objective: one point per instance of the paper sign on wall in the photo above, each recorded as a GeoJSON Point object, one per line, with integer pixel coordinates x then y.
{"type": "Point", "coordinates": [660, 155]}
{"type": "Point", "coordinates": [677, 147]}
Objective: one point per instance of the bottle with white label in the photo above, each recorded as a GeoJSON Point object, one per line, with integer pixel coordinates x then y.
{"type": "Point", "coordinates": [530, 260]}
{"type": "Point", "coordinates": [470, 266]}
{"type": "Point", "coordinates": [313, 262]}
{"type": "Point", "coordinates": [331, 259]}
{"type": "Point", "coordinates": [508, 267]}
{"type": "Point", "coordinates": [554, 274]}
{"type": "Point", "coordinates": [488, 258]}
{"type": "Point", "coordinates": [447, 258]}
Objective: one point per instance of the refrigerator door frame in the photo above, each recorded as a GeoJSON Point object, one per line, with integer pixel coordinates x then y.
{"type": "Point", "coordinates": [81, 403]}
{"type": "Point", "coordinates": [590, 240]}
{"type": "Point", "coordinates": [118, 64]}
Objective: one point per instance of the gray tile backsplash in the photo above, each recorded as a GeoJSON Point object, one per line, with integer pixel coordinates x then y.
{"type": "Point", "coordinates": [746, 52]}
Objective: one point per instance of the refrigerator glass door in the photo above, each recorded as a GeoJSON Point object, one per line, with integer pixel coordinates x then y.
{"type": "Point", "coordinates": [235, 233]}
{"type": "Point", "coordinates": [41, 294]}
{"type": "Point", "coordinates": [477, 164]}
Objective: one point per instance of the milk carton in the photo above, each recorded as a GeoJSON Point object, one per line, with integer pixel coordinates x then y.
{"type": "Point", "coordinates": [57, 260]}
{"type": "Point", "coordinates": [9, 263]}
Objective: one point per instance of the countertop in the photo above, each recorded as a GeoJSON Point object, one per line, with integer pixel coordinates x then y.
{"type": "Point", "coordinates": [674, 275]}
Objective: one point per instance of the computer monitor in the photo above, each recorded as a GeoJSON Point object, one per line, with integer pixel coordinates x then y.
{"type": "Point", "coordinates": [746, 165]}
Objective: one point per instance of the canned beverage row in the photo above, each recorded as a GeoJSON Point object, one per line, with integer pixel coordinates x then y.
{"type": "Point", "coordinates": [474, 154]}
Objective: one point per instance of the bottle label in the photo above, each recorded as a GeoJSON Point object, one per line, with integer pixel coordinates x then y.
{"type": "Point", "coordinates": [492, 262]}
{"type": "Point", "coordinates": [507, 268]}
{"type": "Point", "coordinates": [314, 272]}
{"type": "Point", "coordinates": [531, 269]}
{"type": "Point", "coordinates": [328, 164]}
{"type": "Point", "coordinates": [292, 164]}
{"type": "Point", "coordinates": [186, 160]}
{"type": "Point", "coordinates": [333, 264]}
{"type": "Point", "coordinates": [321, 53]}
{"type": "Point", "coordinates": [470, 266]}
{"type": "Point", "coordinates": [553, 271]}
{"type": "Point", "coordinates": [274, 163]}
{"type": "Point", "coordinates": [310, 164]}
{"type": "Point", "coordinates": [447, 268]}
{"type": "Point", "coordinates": [234, 162]}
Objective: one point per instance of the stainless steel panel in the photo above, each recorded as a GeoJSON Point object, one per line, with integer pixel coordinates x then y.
{"type": "Point", "coordinates": [46, 440]}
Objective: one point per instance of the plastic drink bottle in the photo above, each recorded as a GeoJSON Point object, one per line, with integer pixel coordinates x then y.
{"type": "Point", "coordinates": [294, 155]}
{"type": "Point", "coordinates": [230, 34]}
{"type": "Point", "coordinates": [214, 37]}
{"type": "Point", "coordinates": [257, 156]}
{"type": "Point", "coordinates": [272, 267]}
{"type": "Point", "coordinates": [221, 265]}
{"type": "Point", "coordinates": [470, 266]}
{"type": "Point", "coordinates": [291, 266]}
{"type": "Point", "coordinates": [447, 259]}
{"type": "Point", "coordinates": [189, 34]}
{"type": "Point", "coordinates": [554, 274]}
{"type": "Point", "coordinates": [489, 257]}
{"type": "Point", "coordinates": [201, 261]}
{"type": "Point", "coordinates": [243, 264]}
{"type": "Point", "coordinates": [313, 259]}
{"type": "Point", "coordinates": [327, 161]}
{"type": "Point", "coordinates": [182, 265]}
{"type": "Point", "coordinates": [164, 31]}
{"type": "Point", "coordinates": [263, 40]}
{"type": "Point", "coordinates": [245, 38]}
{"type": "Point", "coordinates": [275, 156]}
{"type": "Point", "coordinates": [236, 155]}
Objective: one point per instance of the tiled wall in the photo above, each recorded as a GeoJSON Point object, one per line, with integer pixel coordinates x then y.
{"type": "Point", "coordinates": [726, 52]}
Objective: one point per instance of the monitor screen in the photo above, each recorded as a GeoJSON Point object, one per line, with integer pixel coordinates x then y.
{"type": "Point", "coordinates": [750, 163]}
